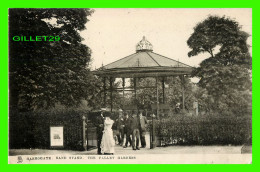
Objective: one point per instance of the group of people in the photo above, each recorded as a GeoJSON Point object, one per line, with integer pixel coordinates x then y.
{"type": "Point", "coordinates": [132, 128]}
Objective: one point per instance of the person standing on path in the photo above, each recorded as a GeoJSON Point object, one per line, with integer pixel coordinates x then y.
{"type": "Point", "coordinates": [127, 130]}
{"type": "Point", "coordinates": [135, 123]}
{"type": "Point", "coordinates": [100, 127]}
{"type": "Point", "coordinates": [120, 129]}
{"type": "Point", "coordinates": [108, 142]}
{"type": "Point", "coordinates": [142, 128]}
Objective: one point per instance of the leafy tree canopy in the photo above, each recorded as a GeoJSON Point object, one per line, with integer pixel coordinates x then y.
{"type": "Point", "coordinates": [43, 73]}
{"type": "Point", "coordinates": [225, 75]}
{"type": "Point", "coordinates": [226, 33]}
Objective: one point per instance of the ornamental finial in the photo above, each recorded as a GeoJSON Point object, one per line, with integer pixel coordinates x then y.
{"type": "Point", "coordinates": [144, 45]}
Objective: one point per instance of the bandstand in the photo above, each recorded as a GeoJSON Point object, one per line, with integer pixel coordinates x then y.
{"type": "Point", "coordinates": [143, 63]}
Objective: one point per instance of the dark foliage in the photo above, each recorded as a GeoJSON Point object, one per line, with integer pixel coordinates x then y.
{"type": "Point", "coordinates": [32, 130]}
{"type": "Point", "coordinates": [204, 130]}
{"type": "Point", "coordinates": [42, 73]}
{"type": "Point", "coordinates": [226, 74]}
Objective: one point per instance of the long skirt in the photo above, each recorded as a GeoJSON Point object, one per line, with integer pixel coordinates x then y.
{"type": "Point", "coordinates": [108, 142]}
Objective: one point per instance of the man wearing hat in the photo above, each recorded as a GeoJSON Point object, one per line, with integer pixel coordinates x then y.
{"type": "Point", "coordinates": [135, 123]}
{"type": "Point", "coordinates": [127, 129]}
{"type": "Point", "coordinates": [100, 128]}
{"type": "Point", "coordinates": [142, 128]}
{"type": "Point", "coordinates": [120, 127]}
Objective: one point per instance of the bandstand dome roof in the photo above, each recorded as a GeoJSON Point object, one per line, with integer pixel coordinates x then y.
{"type": "Point", "coordinates": [144, 63]}
{"type": "Point", "coordinates": [144, 45]}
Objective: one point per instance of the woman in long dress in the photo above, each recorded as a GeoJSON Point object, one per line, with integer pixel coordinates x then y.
{"type": "Point", "coordinates": [108, 142]}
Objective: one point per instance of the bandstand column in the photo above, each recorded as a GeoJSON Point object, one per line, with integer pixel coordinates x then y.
{"type": "Point", "coordinates": [123, 84]}
{"type": "Point", "coordinates": [183, 96]}
{"type": "Point", "coordinates": [111, 93]}
{"type": "Point", "coordinates": [105, 92]}
{"type": "Point", "coordinates": [157, 97]}
{"type": "Point", "coordinates": [163, 88]}
{"type": "Point", "coordinates": [135, 87]}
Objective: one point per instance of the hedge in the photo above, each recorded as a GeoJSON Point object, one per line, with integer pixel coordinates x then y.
{"type": "Point", "coordinates": [204, 130]}
{"type": "Point", "coordinates": [32, 129]}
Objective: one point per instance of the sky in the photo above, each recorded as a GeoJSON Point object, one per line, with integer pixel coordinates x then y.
{"type": "Point", "coordinates": [112, 33]}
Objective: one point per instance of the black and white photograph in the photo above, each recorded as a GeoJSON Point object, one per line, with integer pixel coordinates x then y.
{"type": "Point", "coordinates": [130, 86]}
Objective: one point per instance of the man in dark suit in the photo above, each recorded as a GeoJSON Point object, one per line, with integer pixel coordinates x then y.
{"type": "Point", "coordinates": [127, 129]}
{"type": "Point", "coordinates": [142, 128]}
{"type": "Point", "coordinates": [135, 123]}
{"type": "Point", "coordinates": [100, 127]}
{"type": "Point", "coordinates": [120, 129]}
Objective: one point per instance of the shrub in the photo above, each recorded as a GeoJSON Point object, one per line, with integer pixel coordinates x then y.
{"type": "Point", "coordinates": [32, 129]}
{"type": "Point", "coordinates": [204, 130]}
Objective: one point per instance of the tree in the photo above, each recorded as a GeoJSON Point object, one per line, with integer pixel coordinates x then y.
{"type": "Point", "coordinates": [226, 33]}
{"type": "Point", "coordinates": [173, 92]}
{"type": "Point", "coordinates": [43, 73]}
{"type": "Point", "coordinates": [226, 74]}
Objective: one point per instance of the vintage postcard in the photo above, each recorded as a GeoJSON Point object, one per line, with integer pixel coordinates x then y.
{"type": "Point", "coordinates": [130, 86]}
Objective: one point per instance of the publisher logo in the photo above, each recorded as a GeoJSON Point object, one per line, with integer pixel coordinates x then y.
{"type": "Point", "coordinates": [19, 159]}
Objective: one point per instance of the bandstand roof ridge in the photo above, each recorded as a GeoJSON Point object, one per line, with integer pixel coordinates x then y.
{"type": "Point", "coordinates": [144, 63]}
{"type": "Point", "coordinates": [144, 59]}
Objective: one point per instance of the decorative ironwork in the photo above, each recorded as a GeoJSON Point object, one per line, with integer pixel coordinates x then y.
{"type": "Point", "coordinates": [144, 45]}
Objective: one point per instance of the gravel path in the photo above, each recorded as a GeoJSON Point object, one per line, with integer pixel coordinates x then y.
{"type": "Point", "coordinates": [126, 151]}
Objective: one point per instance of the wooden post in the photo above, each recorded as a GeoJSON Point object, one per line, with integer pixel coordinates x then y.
{"type": "Point", "coordinates": [105, 92]}
{"type": "Point", "coordinates": [111, 93]}
{"type": "Point", "coordinates": [152, 135]}
{"type": "Point", "coordinates": [84, 133]}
